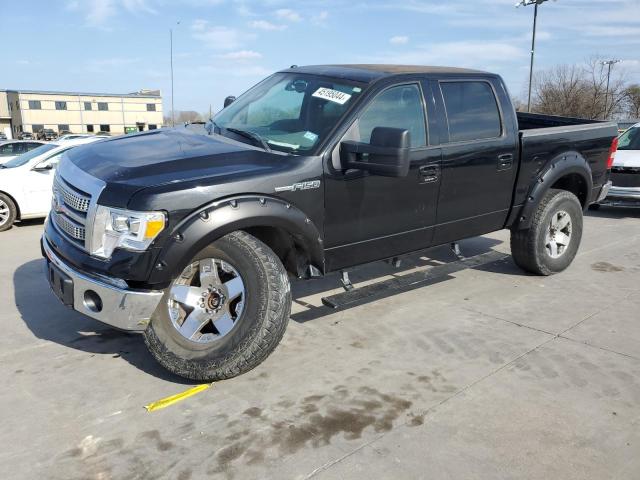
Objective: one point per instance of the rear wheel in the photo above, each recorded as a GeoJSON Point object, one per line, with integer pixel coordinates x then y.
{"type": "Point", "coordinates": [8, 212]}
{"type": "Point", "coordinates": [225, 313]}
{"type": "Point", "coordinates": [551, 243]}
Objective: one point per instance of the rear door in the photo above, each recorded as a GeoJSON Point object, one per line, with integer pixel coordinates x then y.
{"type": "Point", "coordinates": [371, 217]}
{"type": "Point", "coordinates": [479, 158]}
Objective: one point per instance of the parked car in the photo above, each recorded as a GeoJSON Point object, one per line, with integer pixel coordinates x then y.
{"type": "Point", "coordinates": [625, 173]}
{"type": "Point", "coordinates": [189, 238]}
{"type": "Point", "coordinates": [103, 134]}
{"type": "Point", "coordinates": [25, 136]}
{"type": "Point", "coordinates": [25, 182]}
{"type": "Point", "coordinates": [12, 148]}
{"type": "Point", "coordinates": [625, 124]}
{"type": "Point", "coordinates": [73, 136]}
{"type": "Point", "coordinates": [3, 136]}
{"type": "Point", "coordinates": [46, 134]}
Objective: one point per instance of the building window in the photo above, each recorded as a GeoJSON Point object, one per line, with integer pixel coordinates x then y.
{"type": "Point", "coordinates": [87, 105]}
{"type": "Point", "coordinates": [105, 128]}
{"type": "Point", "coordinates": [61, 105]}
{"type": "Point", "coordinates": [151, 107]}
{"type": "Point", "coordinates": [103, 106]}
{"type": "Point", "coordinates": [36, 127]}
{"type": "Point", "coordinates": [35, 105]}
{"type": "Point", "coordinates": [63, 127]}
{"type": "Point", "coordinates": [152, 126]}
{"type": "Point", "coordinates": [90, 128]}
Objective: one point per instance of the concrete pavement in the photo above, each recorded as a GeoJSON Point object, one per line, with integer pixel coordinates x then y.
{"type": "Point", "coordinates": [481, 372]}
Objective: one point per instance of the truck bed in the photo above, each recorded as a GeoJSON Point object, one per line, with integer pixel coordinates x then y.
{"type": "Point", "coordinates": [544, 137]}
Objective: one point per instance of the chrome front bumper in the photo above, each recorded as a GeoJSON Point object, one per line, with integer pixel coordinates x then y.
{"type": "Point", "coordinates": [118, 305]}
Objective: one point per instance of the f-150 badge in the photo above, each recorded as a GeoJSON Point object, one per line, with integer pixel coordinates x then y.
{"type": "Point", "coordinates": [299, 186]}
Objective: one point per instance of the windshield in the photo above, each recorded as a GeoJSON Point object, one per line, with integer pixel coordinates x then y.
{"type": "Point", "coordinates": [288, 112]}
{"type": "Point", "coordinates": [630, 140]}
{"type": "Point", "coordinates": [25, 157]}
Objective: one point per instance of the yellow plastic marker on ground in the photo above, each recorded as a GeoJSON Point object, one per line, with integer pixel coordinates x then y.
{"type": "Point", "coordinates": [165, 402]}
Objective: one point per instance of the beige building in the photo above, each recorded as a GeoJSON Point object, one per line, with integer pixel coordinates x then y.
{"type": "Point", "coordinates": [31, 111]}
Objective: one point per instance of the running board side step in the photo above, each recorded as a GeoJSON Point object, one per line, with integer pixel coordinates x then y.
{"type": "Point", "coordinates": [410, 280]}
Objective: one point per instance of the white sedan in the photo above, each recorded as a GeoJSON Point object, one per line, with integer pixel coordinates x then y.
{"type": "Point", "coordinates": [26, 181]}
{"type": "Point", "coordinates": [625, 172]}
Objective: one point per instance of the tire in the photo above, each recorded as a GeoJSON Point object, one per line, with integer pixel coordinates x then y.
{"type": "Point", "coordinates": [532, 249]}
{"type": "Point", "coordinates": [8, 212]}
{"type": "Point", "coordinates": [256, 331]}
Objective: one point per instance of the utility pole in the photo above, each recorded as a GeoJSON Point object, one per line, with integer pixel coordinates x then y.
{"type": "Point", "coordinates": [609, 64]}
{"type": "Point", "coordinates": [535, 4]}
{"type": "Point", "coordinates": [173, 121]}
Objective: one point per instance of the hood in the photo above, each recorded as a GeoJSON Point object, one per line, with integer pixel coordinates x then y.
{"type": "Point", "coordinates": [169, 156]}
{"type": "Point", "coordinates": [627, 158]}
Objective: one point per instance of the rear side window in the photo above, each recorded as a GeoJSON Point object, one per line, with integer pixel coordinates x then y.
{"type": "Point", "coordinates": [397, 107]}
{"type": "Point", "coordinates": [472, 111]}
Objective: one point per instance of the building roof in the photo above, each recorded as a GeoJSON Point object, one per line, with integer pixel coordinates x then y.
{"type": "Point", "coordinates": [370, 72]}
{"type": "Point", "coordinates": [141, 93]}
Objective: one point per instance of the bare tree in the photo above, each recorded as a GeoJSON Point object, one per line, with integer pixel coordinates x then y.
{"type": "Point", "coordinates": [183, 116]}
{"type": "Point", "coordinates": [632, 101]}
{"type": "Point", "coordinates": [579, 91]}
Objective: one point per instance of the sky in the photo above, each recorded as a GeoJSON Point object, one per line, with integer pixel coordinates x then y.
{"type": "Point", "coordinates": [222, 47]}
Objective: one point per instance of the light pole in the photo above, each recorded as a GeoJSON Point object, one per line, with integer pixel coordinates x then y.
{"type": "Point", "coordinates": [609, 63]}
{"type": "Point", "coordinates": [535, 4]}
{"type": "Point", "coordinates": [173, 122]}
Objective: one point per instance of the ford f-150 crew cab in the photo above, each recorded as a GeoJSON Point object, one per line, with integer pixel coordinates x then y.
{"type": "Point", "coordinates": [190, 237]}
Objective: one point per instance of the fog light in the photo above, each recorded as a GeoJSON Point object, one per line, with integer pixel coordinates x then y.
{"type": "Point", "coordinates": [92, 301]}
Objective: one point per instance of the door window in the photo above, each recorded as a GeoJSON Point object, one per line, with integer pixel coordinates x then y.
{"type": "Point", "coordinates": [472, 111]}
{"type": "Point", "coordinates": [397, 107]}
{"type": "Point", "coordinates": [6, 149]}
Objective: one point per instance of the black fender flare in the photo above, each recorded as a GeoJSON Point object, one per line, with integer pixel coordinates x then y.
{"type": "Point", "coordinates": [560, 166]}
{"type": "Point", "coordinates": [212, 221]}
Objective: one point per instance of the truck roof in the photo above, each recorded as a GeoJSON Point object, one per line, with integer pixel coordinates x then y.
{"type": "Point", "coordinates": [370, 72]}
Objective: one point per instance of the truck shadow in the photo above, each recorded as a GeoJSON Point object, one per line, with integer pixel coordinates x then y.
{"type": "Point", "coordinates": [49, 320]}
{"type": "Point", "coordinates": [615, 212]}
{"type": "Point", "coordinates": [380, 279]}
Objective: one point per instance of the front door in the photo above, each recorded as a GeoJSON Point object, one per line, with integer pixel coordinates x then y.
{"type": "Point", "coordinates": [479, 161]}
{"type": "Point", "coordinates": [369, 217]}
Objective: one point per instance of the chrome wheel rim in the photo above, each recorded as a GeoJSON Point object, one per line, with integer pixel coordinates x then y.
{"type": "Point", "coordinates": [558, 234]}
{"type": "Point", "coordinates": [4, 212]}
{"type": "Point", "coordinates": [206, 300]}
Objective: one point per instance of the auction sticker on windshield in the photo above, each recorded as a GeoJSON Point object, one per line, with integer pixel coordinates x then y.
{"type": "Point", "coordinates": [332, 95]}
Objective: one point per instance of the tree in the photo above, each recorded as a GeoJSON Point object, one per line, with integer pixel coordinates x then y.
{"type": "Point", "coordinates": [579, 91]}
{"type": "Point", "coordinates": [632, 100]}
{"type": "Point", "coordinates": [183, 116]}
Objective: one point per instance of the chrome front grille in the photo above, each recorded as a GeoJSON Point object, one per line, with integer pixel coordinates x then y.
{"type": "Point", "coordinates": [72, 198]}
{"type": "Point", "coordinates": [72, 229]}
{"type": "Point", "coordinates": [69, 210]}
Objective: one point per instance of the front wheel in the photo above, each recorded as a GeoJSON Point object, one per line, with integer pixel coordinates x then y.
{"type": "Point", "coordinates": [551, 243]}
{"type": "Point", "coordinates": [8, 212]}
{"type": "Point", "coordinates": [225, 313]}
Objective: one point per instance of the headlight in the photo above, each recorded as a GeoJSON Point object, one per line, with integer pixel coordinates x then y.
{"type": "Point", "coordinates": [115, 228]}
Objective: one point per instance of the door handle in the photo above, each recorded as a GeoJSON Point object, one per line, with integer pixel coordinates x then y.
{"type": "Point", "coordinates": [505, 161]}
{"type": "Point", "coordinates": [429, 173]}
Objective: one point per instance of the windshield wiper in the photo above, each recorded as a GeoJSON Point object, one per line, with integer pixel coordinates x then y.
{"type": "Point", "coordinates": [251, 135]}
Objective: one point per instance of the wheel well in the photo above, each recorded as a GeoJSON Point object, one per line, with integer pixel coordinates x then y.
{"type": "Point", "coordinates": [284, 245]}
{"type": "Point", "coordinates": [14, 202]}
{"type": "Point", "coordinates": [575, 184]}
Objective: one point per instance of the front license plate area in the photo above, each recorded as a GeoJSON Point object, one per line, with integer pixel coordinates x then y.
{"type": "Point", "coordinates": [61, 284]}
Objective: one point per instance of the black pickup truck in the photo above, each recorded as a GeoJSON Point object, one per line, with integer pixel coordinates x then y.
{"type": "Point", "coordinates": [190, 237]}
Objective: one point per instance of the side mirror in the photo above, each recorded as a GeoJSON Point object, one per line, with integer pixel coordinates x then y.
{"type": "Point", "coordinates": [229, 100]}
{"type": "Point", "coordinates": [387, 154]}
{"type": "Point", "coordinates": [43, 167]}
